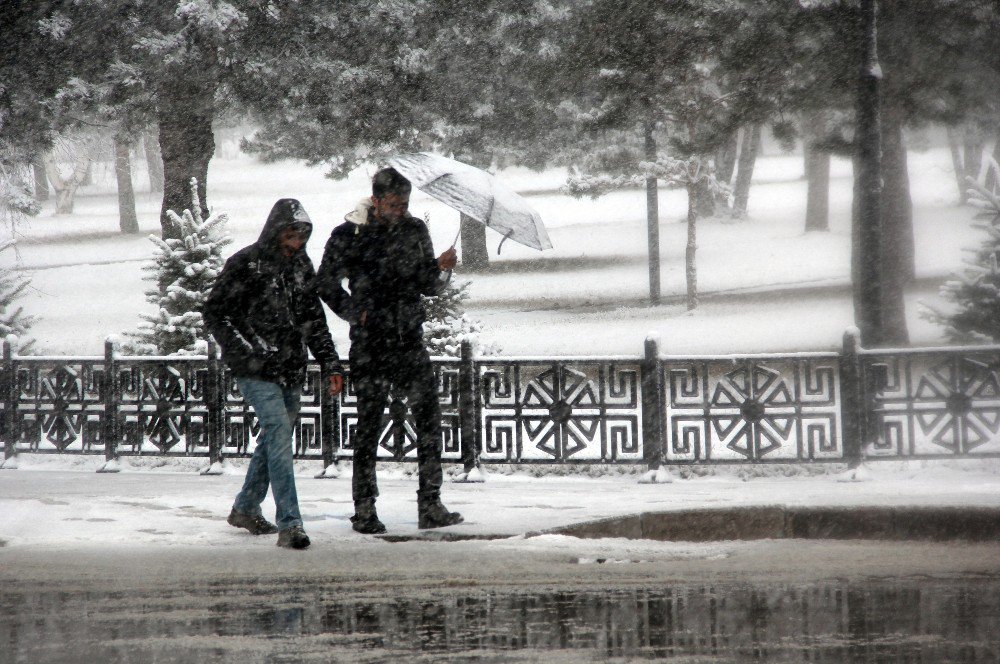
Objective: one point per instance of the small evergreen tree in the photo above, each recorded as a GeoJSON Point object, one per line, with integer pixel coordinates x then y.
{"type": "Point", "coordinates": [16, 203]}
{"type": "Point", "coordinates": [12, 317]}
{"type": "Point", "coordinates": [184, 270]}
{"type": "Point", "coordinates": [448, 325]}
{"type": "Point", "coordinates": [976, 291]}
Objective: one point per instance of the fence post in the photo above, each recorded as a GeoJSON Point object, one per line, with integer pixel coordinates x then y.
{"type": "Point", "coordinates": [11, 422]}
{"type": "Point", "coordinates": [852, 416]}
{"type": "Point", "coordinates": [214, 406]}
{"type": "Point", "coordinates": [471, 470]}
{"type": "Point", "coordinates": [653, 443]}
{"type": "Point", "coordinates": [110, 432]}
{"type": "Point", "coordinates": [329, 430]}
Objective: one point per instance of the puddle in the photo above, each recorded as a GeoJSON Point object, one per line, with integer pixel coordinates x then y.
{"type": "Point", "coordinates": [879, 620]}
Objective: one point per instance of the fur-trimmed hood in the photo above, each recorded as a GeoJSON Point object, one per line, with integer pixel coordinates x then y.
{"type": "Point", "coordinates": [359, 215]}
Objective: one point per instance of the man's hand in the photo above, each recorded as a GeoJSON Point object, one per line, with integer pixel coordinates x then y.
{"type": "Point", "coordinates": [448, 260]}
{"type": "Point", "coordinates": [335, 384]}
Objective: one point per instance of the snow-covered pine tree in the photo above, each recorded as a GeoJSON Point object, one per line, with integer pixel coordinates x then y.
{"type": "Point", "coordinates": [975, 293]}
{"type": "Point", "coordinates": [183, 271]}
{"type": "Point", "coordinates": [12, 317]}
{"type": "Point", "coordinates": [448, 325]}
{"type": "Point", "coordinates": [16, 203]}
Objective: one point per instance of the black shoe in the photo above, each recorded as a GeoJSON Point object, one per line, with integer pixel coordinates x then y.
{"type": "Point", "coordinates": [433, 514]}
{"type": "Point", "coordinates": [365, 519]}
{"type": "Point", "coordinates": [293, 537]}
{"type": "Point", "coordinates": [257, 525]}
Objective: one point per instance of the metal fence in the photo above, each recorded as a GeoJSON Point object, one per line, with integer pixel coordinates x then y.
{"type": "Point", "coordinates": [654, 410]}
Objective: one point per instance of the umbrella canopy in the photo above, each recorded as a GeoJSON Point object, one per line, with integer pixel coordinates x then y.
{"type": "Point", "coordinates": [476, 193]}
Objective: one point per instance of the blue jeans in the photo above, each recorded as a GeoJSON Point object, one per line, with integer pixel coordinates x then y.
{"type": "Point", "coordinates": [276, 408]}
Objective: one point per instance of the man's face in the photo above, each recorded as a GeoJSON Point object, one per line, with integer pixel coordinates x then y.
{"type": "Point", "coordinates": [391, 207]}
{"type": "Point", "coordinates": [290, 240]}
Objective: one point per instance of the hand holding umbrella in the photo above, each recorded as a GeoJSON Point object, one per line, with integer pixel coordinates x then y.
{"type": "Point", "coordinates": [476, 193]}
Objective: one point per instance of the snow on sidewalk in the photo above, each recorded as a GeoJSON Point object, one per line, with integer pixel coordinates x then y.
{"type": "Point", "coordinates": [61, 502]}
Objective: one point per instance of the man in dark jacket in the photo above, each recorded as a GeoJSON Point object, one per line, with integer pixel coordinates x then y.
{"type": "Point", "coordinates": [264, 318]}
{"type": "Point", "coordinates": [387, 257]}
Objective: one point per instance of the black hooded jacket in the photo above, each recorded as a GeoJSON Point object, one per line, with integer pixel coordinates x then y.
{"type": "Point", "coordinates": [261, 311]}
{"type": "Point", "coordinates": [388, 268]}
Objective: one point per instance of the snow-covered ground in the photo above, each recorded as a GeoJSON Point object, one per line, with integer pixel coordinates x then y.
{"type": "Point", "coordinates": [586, 296]}
{"type": "Point", "coordinates": [59, 501]}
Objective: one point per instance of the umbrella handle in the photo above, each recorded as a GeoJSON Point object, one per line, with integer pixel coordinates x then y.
{"type": "Point", "coordinates": [499, 246]}
{"type": "Point", "coordinates": [455, 241]}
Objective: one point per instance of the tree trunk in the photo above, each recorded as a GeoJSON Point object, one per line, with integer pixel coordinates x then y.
{"type": "Point", "coordinates": [690, 267]}
{"type": "Point", "coordinates": [66, 188]}
{"type": "Point", "coordinates": [154, 161]}
{"type": "Point", "coordinates": [958, 166]}
{"type": "Point", "coordinates": [706, 199]}
{"type": "Point", "coordinates": [866, 248]}
{"type": "Point", "coordinates": [88, 175]}
{"type": "Point", "coordinates": [127, 220]}
{"type": "Point", "coordinates": [817, 172]}
{"type": "Point", "coordinates": [818, 189]}
{"type": "Point", "coordinates": [725, 164]}
{"type": "Point", "coordinates": [993, 177]}
{"type": "Point", "coordinates": [725, 158]}
{"type": "Point", "coordinates": [41, 180]}
{"type": "Point", "coordinates": [973, 157]}
{"type": "Point", "coordinates": [185, 109]}
{"type": "Point", "coordinates": [897, 206]}
{"type": "Point", "coordinates": [475, 256]}
{"type": "Point", "coordinates": [744, 172]}
{"type": "Point", "coordinates": [898, 262]}
{"type": "Point", "coordinates": [652, 218]}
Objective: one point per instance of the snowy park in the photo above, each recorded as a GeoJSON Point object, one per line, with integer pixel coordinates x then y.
{"type": "Point", "coordinates": [583, 297]}
{"type": "Point", "coordinates": [559, 330]}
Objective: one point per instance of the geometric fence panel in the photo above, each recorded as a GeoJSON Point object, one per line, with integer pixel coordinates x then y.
{"type": "Point", "coordinates": [933, 403]}
{"type": "Point", "coordinates": [161, 406]}
{"type": "Point", "coordinates": [60, 406]}
{"type": "Point", "coordinates": [753, 409]}
{"type": "Point", "coordinates": [801, 407]}
{"type": "Point", "coordinates": [242, 428]}
{"type": "Point", "coordinates": [558, 411]}
{"type": "Point", "coordinates": [398, 436]}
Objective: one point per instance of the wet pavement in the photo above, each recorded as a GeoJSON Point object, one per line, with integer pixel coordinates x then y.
{"type": "Point", "coordinates": [883, 619]}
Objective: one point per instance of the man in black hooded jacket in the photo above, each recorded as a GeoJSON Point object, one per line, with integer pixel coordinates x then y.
{"type": "Point", "coordinates": [387, 258]}
{"type": "Point", "coordinates": [264, 318]}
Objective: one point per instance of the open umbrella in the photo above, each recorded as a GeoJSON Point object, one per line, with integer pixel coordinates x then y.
{"type": "Point", "coordinates": [476, 193]}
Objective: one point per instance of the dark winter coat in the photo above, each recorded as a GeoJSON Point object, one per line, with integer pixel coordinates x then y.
{"type": "Point", "coordinates": [262, 312]}
{"type": "Point", "coordinates": [388, 267]}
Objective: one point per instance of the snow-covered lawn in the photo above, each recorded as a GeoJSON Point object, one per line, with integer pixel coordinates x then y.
{"type": "Point", "coordinates": [777, 288]}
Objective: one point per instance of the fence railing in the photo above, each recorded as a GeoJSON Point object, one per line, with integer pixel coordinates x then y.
{"type": "Point", "coordinates": [654, 410]}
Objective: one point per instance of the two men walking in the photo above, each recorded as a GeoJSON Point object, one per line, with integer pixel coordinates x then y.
{"type": "Point", "coordinates": [265, 310]}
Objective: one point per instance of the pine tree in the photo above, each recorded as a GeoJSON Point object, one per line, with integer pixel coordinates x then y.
{"type": "Point", "coordinates": [976, 291]}
{"type": "Point", "coordinates": [12, 318]}
{"type": "Point", "coordinates": [448, 325]}
{"type": "Point", "coordinates": [183, 270]}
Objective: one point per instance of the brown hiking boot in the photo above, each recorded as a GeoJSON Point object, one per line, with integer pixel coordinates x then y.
{"type": "Point", "coordinates": [257, 525]}
{"type": "Point", "coordinates": [293, 537]}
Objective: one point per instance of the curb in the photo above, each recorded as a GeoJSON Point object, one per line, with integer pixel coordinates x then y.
{"type": "Point", "coordinates": [936, 524]}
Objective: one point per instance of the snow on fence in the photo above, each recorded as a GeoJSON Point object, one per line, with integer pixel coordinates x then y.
{"type": "Point", "coordinates": [654, 410]}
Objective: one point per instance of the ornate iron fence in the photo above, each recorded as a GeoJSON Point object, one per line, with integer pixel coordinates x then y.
{"type": "Point", "coordinates": [652, 410]}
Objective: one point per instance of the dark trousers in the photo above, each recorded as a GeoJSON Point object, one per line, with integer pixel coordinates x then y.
{"type": "Point", "coordinates": [408, 374]}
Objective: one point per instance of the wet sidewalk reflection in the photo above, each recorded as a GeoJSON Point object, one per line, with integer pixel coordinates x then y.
{"type": "Point", "coordinates": [886, 620]}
